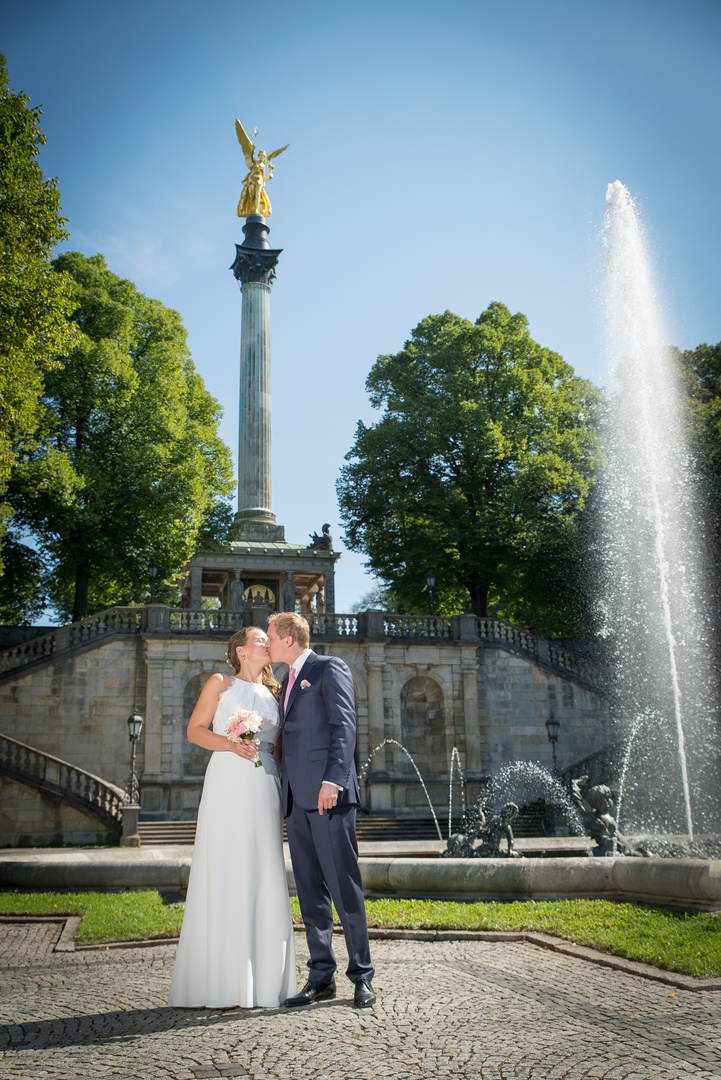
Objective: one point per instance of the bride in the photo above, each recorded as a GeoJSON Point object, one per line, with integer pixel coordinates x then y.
{"type": "Point", "coordinates": [236, 945]}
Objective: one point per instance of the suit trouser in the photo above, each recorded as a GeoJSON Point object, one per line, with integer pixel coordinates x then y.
{"type": "Point", "coordinates": [324, 853]}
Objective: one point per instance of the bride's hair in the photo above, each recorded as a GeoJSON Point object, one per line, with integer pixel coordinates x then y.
{"type": "Point", "coordinates": [238, 640]}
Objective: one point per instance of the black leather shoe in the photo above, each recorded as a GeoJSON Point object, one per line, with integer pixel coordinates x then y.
{"type": "Point", "coordinates": [363, 997]}
{"type": "Point", "coordinates": [312, 991]}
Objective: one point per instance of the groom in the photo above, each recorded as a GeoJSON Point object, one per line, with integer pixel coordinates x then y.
{"type": "Point", "coordinates": [320, 795]}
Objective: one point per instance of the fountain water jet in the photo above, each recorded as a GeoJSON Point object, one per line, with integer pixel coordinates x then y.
{"type": "Point", "coordinates": [655, 592]}
{"type": "Point", "coordinates": [394, 742]}
{"type": "Point", "coordinates": [455, 761]}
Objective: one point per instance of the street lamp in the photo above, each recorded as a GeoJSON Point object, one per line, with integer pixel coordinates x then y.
{"type": "Point", "coordinates": [153, 577]}
{"type": "Point", "coordinates": [431, 583]}
{"type": "Point", "coordinates": [552, 726]}
{"type": "Point", "coordinates": [135, 726]}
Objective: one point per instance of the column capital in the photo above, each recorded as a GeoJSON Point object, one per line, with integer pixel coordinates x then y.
{"type": "Point", "coordinates": [255, 265]}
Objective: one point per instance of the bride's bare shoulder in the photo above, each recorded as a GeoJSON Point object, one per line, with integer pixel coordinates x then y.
{"type": "Point", "coordinates": [217, 684]}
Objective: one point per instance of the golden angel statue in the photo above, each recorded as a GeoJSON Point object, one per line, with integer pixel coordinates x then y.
{"type": "Point", "coordinates": [253, 197]}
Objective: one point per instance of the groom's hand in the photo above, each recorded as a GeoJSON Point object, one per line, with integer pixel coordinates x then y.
{"type": "Point", "coordinates": [327, 798]}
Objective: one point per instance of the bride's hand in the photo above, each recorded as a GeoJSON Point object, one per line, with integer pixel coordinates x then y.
{"type": "Point", "coordinates": [247, 749]}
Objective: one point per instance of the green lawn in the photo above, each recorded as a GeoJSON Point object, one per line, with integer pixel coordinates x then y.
{"type": "Point", "coordinates": [686, 943]}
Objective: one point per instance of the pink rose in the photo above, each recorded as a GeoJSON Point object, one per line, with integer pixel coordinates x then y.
{"type": "Point", "coordinates": [243, 727]}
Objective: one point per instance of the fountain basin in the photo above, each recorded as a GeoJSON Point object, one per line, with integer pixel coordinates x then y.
{"type": "Point", "coordinates": [690, 884]}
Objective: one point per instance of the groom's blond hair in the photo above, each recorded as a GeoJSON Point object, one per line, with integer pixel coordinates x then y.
{"type": "Point", "coordinates": [291, 624]}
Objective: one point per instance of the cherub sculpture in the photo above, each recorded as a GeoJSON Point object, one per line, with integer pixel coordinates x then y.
{"type": "Point", "coordinates": [497, 829]}
{"type": "Point", "coordinates": [460, 844]}
{"type": "Point", "coordinates": [596, 806]}
{"type": "Point", "coordinates": [253, 197]}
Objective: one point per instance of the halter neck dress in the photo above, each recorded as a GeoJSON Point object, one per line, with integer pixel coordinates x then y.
{"type": "Point", "coordinates": [236, 944]}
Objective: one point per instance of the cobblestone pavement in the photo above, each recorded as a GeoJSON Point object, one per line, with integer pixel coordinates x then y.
{"type": "Point", "coordinates": [453, 1009]}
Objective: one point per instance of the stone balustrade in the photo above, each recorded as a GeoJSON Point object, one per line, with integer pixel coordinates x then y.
{"type": "Point", "coordinates": [366, 625]}
{"type": "Point", "coordinates": [89, 793]}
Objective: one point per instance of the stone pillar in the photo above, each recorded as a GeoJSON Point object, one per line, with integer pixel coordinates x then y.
{"type": "Point", "coordinates": [380, 794]}
{"type": "Point", "coordinates": [329, 576]}
{"type": "Point", "coordinates": [254, 435]}
{"type": "Point", "coordinates": [469, 671]}
{"type": "Point", "coordinates": [196, 587]}
{"type": "Point", "coordinates": [153, 731]}
{"type": "Point", "coordinates": [289, 592]}
{"type": "Point", "coordinates": [254, 267]}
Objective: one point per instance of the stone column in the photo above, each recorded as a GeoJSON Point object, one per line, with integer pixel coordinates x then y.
{"type": "Point", "coordinates": [153, 732]}
{"type": "Point", "coordinates": [380, 794]}
{"type": "Point", "coordinates": [329, 581]}
{"type": "Point", "coordinates": [254, 267]}
{"type": "Point", "coordinates": [196, 587]}
{"type": "Point", "coordinates": [254, 433]}
{"type": "Point", "coordinates": [469, 671]}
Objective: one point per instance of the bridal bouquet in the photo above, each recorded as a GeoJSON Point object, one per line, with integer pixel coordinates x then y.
{"type": "Point", "coordinates": [244, 725]}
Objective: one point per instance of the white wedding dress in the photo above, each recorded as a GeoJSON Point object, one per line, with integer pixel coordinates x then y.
{"type": "Point", "coordinates": [236, 944]}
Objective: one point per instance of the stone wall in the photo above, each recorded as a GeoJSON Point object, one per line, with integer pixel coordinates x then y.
{"type": "Point", "coordinates": [489, 703]}
{"type": "Point", "coordinates": [32, 818]}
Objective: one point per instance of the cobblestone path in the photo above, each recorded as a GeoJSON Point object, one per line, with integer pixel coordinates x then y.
{"type": "Point", "coordinates": [454, 1009]}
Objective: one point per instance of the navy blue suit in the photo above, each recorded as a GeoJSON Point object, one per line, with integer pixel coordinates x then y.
{"type": "Point", "coordinates": [319, 726]}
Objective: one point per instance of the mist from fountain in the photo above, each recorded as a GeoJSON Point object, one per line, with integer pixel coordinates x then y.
{"type": "Point", "coordinates": [655, 604]}
{"type": "Point", "coordinates": [525, 783]}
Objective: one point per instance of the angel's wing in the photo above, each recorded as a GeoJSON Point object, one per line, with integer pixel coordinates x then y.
{"type": "Point", "coordinates": [247, 146]}
{"type": "Point", "coordinates": [276, 152]}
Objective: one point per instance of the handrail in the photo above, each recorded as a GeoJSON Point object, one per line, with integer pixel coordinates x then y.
{"type": "Point", "coordinates": [368, 625]}
{"type": "Point", "coordinates": [74, 785]}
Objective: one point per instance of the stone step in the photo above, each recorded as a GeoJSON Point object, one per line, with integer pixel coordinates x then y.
{"type": "Point", "coordinates": [529, 824]}
{"type": "Point", "coordinates": [367, 829]}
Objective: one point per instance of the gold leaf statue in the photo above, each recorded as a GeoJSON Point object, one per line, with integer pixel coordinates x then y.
{"type": "Point", "coordinates": [253, 197]}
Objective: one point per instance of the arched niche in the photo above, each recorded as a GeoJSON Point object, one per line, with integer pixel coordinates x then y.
{"type": "Point", "coordinates": [422, 726]}
{"type": "Point", "coordinates": [195, 758]}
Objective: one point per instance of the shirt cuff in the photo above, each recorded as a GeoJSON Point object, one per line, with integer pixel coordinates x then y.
{"type": "Point", "coordinates": [333, 785]}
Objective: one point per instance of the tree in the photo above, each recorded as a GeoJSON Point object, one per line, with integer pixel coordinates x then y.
{"type": "Point", "coordinates": [129, 459]}
{"type": "Point", "coordinates": [701, 374]}
{"type": "Point", "coordinates": [478, 469]}
{"type": "Point", "coordinates": [34, 301]}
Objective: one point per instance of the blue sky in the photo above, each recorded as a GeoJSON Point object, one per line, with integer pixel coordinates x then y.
{"type": "Point", "coordinates": [441, 156]}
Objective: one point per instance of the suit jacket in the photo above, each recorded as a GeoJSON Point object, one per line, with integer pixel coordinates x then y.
{"type": "Point", "coordinates": [319, 726]}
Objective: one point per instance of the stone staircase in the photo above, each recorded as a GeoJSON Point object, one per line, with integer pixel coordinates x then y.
{"type": "Point", "coordinates": [368, 829]}
{"type": "Point", "coordinates": [91, 794]}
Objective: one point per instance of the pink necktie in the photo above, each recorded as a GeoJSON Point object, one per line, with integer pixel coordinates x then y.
{"type": "Point", "coordinates": [291, 679]}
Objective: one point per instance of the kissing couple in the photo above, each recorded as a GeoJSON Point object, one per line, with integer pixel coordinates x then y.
{"type": "Point", "coordinates": [294, 758]}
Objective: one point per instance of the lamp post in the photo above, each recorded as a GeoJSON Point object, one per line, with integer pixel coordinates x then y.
{"type": "Point", "coordinates": [552, 726]}
{"type": "Point", "coordinates": [153, 577]}
{"type": "Point", "coordinates": [431, 583]}
{"type": "Point", "coordinates": [135, 726]}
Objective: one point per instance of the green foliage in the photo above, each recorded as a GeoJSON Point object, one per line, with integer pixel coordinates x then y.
{"type": "Point", "coordinates": [22, 593]}
{"type": "Point", "coordinates": [129, 460]}
{"type": "Point", "coordinates": [675, 941]}
{"type": "Point", "coordinates": [478, 469]}
{"type": "Point", "coordinates": [701, 374]}
{"type": "Point", "coordinates": [215, 529]}
{"type": "Point", "coordinates": [34, 301]}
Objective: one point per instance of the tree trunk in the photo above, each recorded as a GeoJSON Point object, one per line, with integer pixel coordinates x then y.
{"type": "Point", "coordinates": [479, 598]}
{"type": "Point", "coordinates": [80, 603]}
